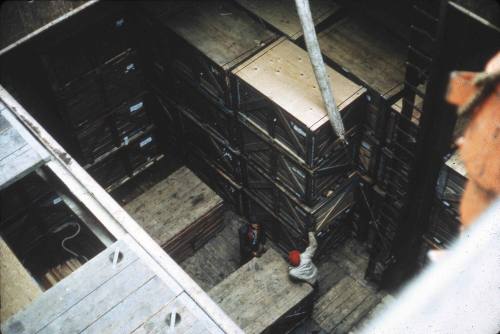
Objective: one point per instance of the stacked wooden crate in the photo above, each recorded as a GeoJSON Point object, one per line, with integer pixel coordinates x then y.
{"type": "Point", "coordinates": [250, 117]}
{"type": "Point", "coordinates": [444, 224]}
{"type": "Point", "coordinates": [198, 44]}
{"type": "Point", "coordinates": [98, 81]}
{"type": "Point", "coordinates": [297, 169]}
{"type": "Point", "coordinates": [366, 52]}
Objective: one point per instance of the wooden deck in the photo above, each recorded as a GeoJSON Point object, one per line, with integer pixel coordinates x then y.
{"type": "Point", "coordinates": [344, 299]}
{"type": "Point", "coordinates": [100, 295]}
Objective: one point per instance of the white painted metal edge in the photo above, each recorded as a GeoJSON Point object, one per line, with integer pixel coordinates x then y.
{"type": "Point", "coordinates": [112, 215]}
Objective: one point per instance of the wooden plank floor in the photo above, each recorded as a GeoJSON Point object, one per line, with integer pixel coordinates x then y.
{"type": "Point", "coordinates": [218, 258]}
{"type": "Point", "coordinates": [345, 299]}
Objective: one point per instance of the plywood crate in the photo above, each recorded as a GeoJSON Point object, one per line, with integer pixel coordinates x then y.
{"type": "Point", "coordinates": [219, 118]}
{"type": "Point", "coordinates": [276, 198]}
{"type": "Point", "coordinates": [216, 148]}
{"type": "Point", "coordinates": [308, 184]}
{"type": "Point", "coordinates": [282, 15]}
{"type": "Point", "coordinates": [211, 38]}
{"type": "Point", "coordinates": [368, 53]}
{"type": "Point", "coordinates": [277, 94]}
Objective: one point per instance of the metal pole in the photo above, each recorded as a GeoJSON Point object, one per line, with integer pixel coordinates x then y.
{"type": "Point", "coordinates": [304, 12]}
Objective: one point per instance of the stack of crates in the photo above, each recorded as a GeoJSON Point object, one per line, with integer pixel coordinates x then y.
{"type": "Point", "coordinates": [298, 170]}
{"type": "Point", "coordinates": [444, 225]}
{"type": "Point", "coordinates": [278, 161]}
{"type": "Point", "coordinates": [367, 53]}
{"type": "Point", "coordinates": [198, 44]}
{"type": "Point", "coordinates": [98, 81]}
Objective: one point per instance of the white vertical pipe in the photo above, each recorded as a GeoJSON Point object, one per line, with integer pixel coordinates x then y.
{"type": "Point", "coordinates": [304, 12]}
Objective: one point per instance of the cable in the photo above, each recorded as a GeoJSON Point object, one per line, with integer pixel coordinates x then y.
{"type": "Point", "coordinates": [78, 228]}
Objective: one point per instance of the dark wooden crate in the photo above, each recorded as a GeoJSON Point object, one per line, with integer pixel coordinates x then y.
{"type": "Point", "coordinates": [208, 43]}
{"type": "Point", "coordinates": [276, 92]}
{"type": "Point", "coordinates": [116, 34]}
{"type": "Point", "coordinates": [19, 196]}
{"type": "Point", "coordinates": [284, 235]}
{"type": "Point", "coordinates": [132, 117]}
{"type": "Point", "coordinates": [109, 170]}
{"type": "Point", "coordinates": [95, 139]}
{"type": "Point", "coordinates": [307, 184]}
{"type": "Point", "coordinates": [451, 183]}
{"type": "Point", "coordinates": [216, 148]}
{"type": "Point", "coordinates": [81, 101]}
{"type": "Point", "coordinates": [220, 118]}
{"type": "Point", "coordinates": [444, 225]}
{"type": "Point", "coordinates": [277, 199]}
{"type": "Point", "coordinates": [143, 150]}
{"type": "Point", "coordinates": [369, 153]}
{"type": "Point", "coordinates": [122, 78]}
{"type": "Point", "coordinates": [211, 174]}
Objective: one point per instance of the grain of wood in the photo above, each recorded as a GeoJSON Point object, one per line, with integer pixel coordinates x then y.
{"type": "Point", "coordinates": [366, 50]}
{"type": "Point", "coordinates": [68, 292]}
{"type": "Point", "coordinates": [135, 309]}
{"type": "Point", "coordinates": [282, 14]}
{"type": "Point", "coordinates": [220, 30]}
{"type": "Point", "coordinates": [370, 301]}
{"type": "Point", "coordinates": [283, 73]}
{"type": "Point", "coordinates": [259, 293]}
{"type": "Point", "coordinates": [172, 205]}
{"type": "Point", "coordinates": [100, 301]}
{"type": "Point", "coordinates": [17, 288]}
{"type": "Point", "coordinates": [338, 312]}
{"type": "Point", "coordinates": [192, 319]}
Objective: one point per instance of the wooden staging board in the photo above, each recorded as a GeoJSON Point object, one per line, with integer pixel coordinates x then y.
{"type": "Point", "coordinates": [133, 296]}
{"type": "Point", "coordinates": [260, 293]}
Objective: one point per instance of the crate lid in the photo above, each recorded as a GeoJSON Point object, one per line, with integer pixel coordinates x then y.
{"type": "Point", "coordinates": [282, 15]}
{"type": "Point", "coordinates": [367, 50]}
{"type": "Point", "coordinates": [456, 164]}
{"type": "Point", "coordinates": [220, 30]}
{"type": "Point", "coordinates": [283, 73]}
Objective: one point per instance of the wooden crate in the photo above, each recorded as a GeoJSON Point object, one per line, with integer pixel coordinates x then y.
{"type": "Point", "coordinates": [216, 148]}
{"type": "Point", "coordinates": [227, 188]}
{"type": "Point", "coordinates": [368, 53]}
{"type": "Point", "coordinates": [368, 156]}
{"type": "Point", "coordinates": [278, 200]}
{"type": "Point", "coordinates": [211, 38]}
{"type": "Point", "coordinates": [307, 184]}
{"type": "Point", "coordinates": [218, 117]}
{"type": "Point", "coordinates": [122, 78]}
{"type": "Point", "coordinates": [94, 140]}
{"type": "Point", "coordinates": [277, 92]}
{"type": "Point", "coordinates": [282, 15]}
{"type": "Point", "coordinates": [180, 213]}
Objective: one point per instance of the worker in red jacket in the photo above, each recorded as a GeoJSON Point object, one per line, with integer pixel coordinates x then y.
{"type": "Point", "coordinates": [302, 268]}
